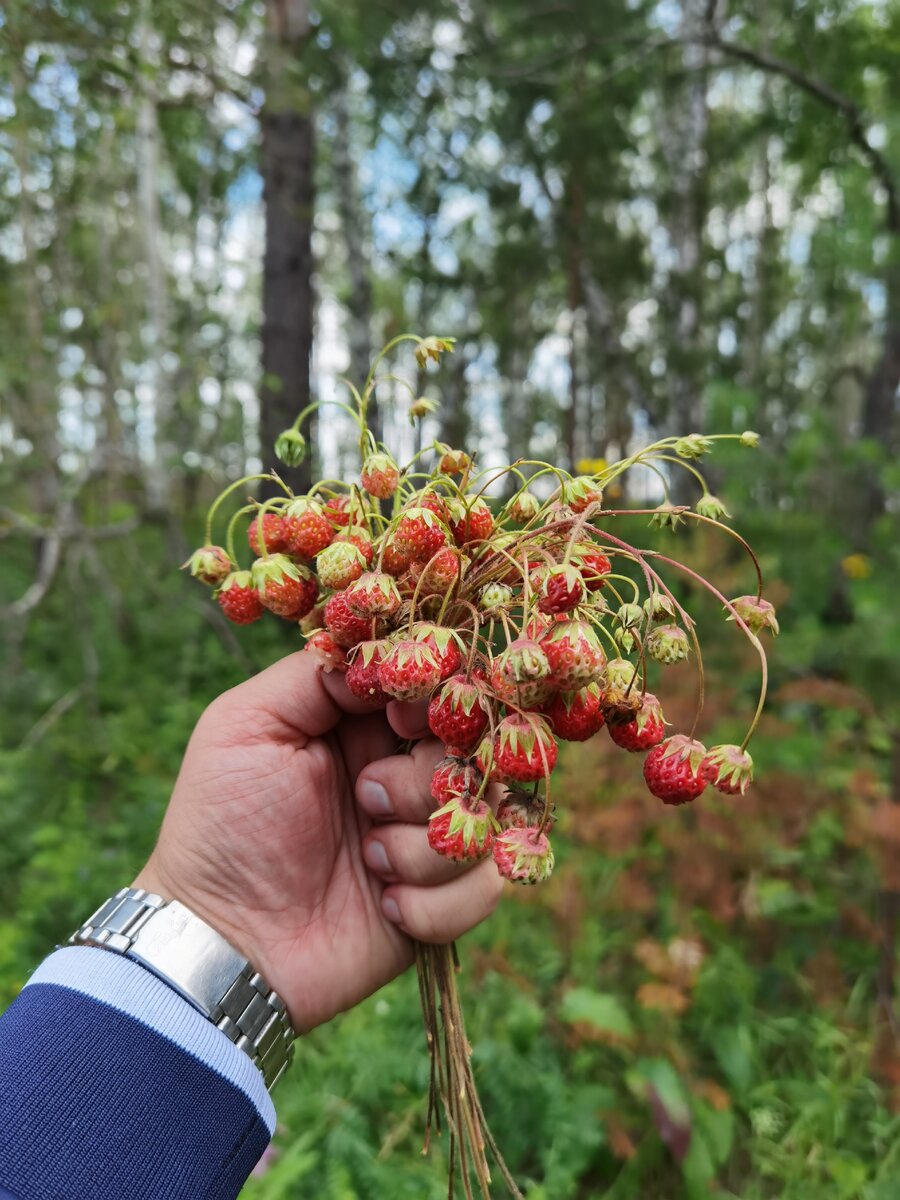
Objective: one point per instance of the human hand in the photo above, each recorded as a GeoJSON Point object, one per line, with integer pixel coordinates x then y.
{"type": "Point", "coordinates": [298, 831]}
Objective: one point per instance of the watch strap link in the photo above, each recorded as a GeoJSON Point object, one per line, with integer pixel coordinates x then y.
{"type": "Point", "coordinates": [197, 962]}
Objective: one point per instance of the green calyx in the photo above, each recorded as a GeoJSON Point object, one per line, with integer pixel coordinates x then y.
{"type": "Point", "coordinates": [290, 447]}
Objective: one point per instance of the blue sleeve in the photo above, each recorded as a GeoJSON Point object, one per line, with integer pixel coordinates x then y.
{"type": "Point", "coordinates": [112, 1087]}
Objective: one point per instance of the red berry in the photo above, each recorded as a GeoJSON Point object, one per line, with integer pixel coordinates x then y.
{"type": "Point", "coordinates": [359, 538]}
{"type": "Point", "coordinates": [594, 566]}
{"type": "Point", "coordinates": [273, 534]}
{"type": "Point", "coordinates": [443, 643]}
{"type": "Point", "coordinates": [345, 626]}
{"type": "Point", "coordinates": [673, 769]}
{"type": "Point", "coordinates": [307, 530]}
{"type": "Point", "coordinates": [575, 716]}
{"type": "Point", "coordinates": [394, 560]}
{"type": "Point", "coordinates": [410, 671]}
{"type": "Point", "coordinates": [434, 503]}
{"type": "Point", "coordinates": [239, 600]}
{"type": "Point", "coordinates": [337, 510]}
{"type": "Point", "coordinates": [455, 776]}
{"type": "Point", "coordinates": [454, 462]}
{"type": "Point", "coordinates": [729, 769]}
{"type": "Point", "coordinates": [462, 829]}
{"type": "Point", "coordinates": [523, 855]}
{"type": "Point", "coordinates": [374, 594]}
{"type": "Point", "coordinates": [458, 714]}
{"type": "Point", "coordinates": [420, 534]}
{"type": "Point", "coordinates": [647, 729]}
{"type": "Point", "coordinates": [440, 573]}
{"type": "Point", "coordinates": [284, 588]}
{"type": "Point", "coordinates": [326, 650]}
{"type": "Point", "coordinates": [470, 521]}
{"type": "Point", "coordinates": [519, 808]}
{"type": "Point", "coordinates": [580, 493]}
{"type": "Point", "coordinates": [574, 653]}
{"type": "Point", "coordinates": [362, 674]}
{"type": "Point", "coordinates": [519, 674]}
{"type": "Point", "coordinates": [524, 749]}
{"type": "Point", "coordinates": [380, 476]}
{"type": "Point", "coordinates": [561, 590]}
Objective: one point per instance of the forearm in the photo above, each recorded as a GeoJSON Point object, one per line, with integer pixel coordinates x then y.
{"type": "Point", "coordinates": [113, 1086]}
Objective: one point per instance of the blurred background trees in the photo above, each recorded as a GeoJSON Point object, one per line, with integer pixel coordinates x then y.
{"type": "Point", "coordinates": [637, 217]}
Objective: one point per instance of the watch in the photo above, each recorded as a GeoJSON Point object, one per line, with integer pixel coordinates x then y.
{"type": "Point", "coordinates": [194, 959]}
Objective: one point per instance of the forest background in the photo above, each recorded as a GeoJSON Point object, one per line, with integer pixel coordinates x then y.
{"type": "Point", "coordinates": [639, 218]}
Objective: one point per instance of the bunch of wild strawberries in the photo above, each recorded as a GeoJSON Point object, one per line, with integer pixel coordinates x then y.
{"type": "Point", "coordinates": [521, 624]}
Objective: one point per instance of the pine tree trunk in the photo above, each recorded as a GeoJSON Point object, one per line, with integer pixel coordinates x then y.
{"type": "Point", "coordinates": [288, 195]}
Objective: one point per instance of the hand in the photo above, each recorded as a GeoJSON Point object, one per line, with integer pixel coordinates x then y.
{"type": "Point", "coordinates": [298, 832]}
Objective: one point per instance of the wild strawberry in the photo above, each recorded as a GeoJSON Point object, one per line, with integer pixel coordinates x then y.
{"type": "Point", "coordinates": [579, 494]}
{"type": "Point", "coordinates": [524, 507]}
{"type": "Point", "coordinates": [362, 674]}
{"type": "Point", "coordinates": [454, 462]}
{"type": "Point", "coordinates": [380, 476]}
{"type": "Point", "coordinates": [420, 534]}
{"type": "Point", "coordinates": [209, 564]}
{"type": "Point", "coordinates": [239, 600]}
{"type": "Point", "coordinates": [470, 521]}
{"type": "Point", "coordinates": [337, 510]}
{"type": "Point", "coordinates": [523, 855]}
{"type": "Point", "coordinates": [519, 808]}
{"type": "Point", "coordinates": [441, 573]}
{"type": "Point", "coordinates": [410, 671]}
{"type": "Point", "coordinates": [458, 714]}
{"type": "Point", "coordinates": [307, 530]}
{"type": "Point", "coordinates": [434, 503]}
{"type": "Point", "coordinates": [325, 649]}
{"type": "Point", "coordinates": [284, 588]}
{"type": "Point", "coordinates": [455, 776]}
{"type": "Point", "coordinates": [673, 769]}
{"type": "Point", "coordinates": [443, 643]}
{"type": "Point", "coordinates": [561, 589]}
{"type": "Point", "coordinates": [374, 594]}
{"type": "Point", "coordinates": [575, 716]}
{"type": "Point", "coordinates": [594, 566]}
{"type": "Point", "coordinates": [356, 536]}
{"type": "Point", "coordinates": [667, 644]}
{"type": "Point", "coordinates": [345, 626]}
{"type": "Point", "coordinates": [659, 607]}
{"type": "Point", "coordinates": [272, 534]}
{"type": "Point", "coordinates": [339, 565]}
{"type": "Point", "coordinates": [523, 749]}
{"type": "Point", "coordinates": [757, 615]}
{"type": "Point", "coordinates": [729, 769]}
{"type": "Point", "coordinates": [462, 830]}
{"type": "Point", "coordinates": [394, 560]}
{"type": "Point", "coordinates": [519, 674]}
{"type": "Point", "coordinates": [645, 730]}
{"type": "Point", "coordinates": [574, 653]}
{"type": "Point", "coordinates": [620, 674]}
{"type": "Point", "coordinates": [494, 598]}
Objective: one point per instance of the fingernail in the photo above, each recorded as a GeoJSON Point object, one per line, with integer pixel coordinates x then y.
{"type": "Point", "coordinates": [376, 857]}
{"type": "Point", "coordinates": [374, 799]}
{"type": "Point", "coordinates": [391, 909]}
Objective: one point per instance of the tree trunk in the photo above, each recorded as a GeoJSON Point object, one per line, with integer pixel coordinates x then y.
{"type": "Point", "coordinates": [684, 143]}
{"type": "Point", "coordinates": [353, 221]}
{"type": "Point", "coordinates": [287, 173]}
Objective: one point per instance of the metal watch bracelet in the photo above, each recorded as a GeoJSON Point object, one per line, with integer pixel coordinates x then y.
{"type": "Point", "coordinates": [198, 963]}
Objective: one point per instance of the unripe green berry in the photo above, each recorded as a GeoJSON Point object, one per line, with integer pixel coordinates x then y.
{"type": "Point", "coordinates": [290, 447]}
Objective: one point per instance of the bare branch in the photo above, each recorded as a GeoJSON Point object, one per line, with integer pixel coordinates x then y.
{"type": "Point", "coordinates": [34, 594]}
{"type": "Point", "coordinates": [853, 115]}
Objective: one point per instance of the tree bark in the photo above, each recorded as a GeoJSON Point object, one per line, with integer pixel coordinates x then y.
{"type": "Point", "coordinates": [288, 194]}
{"type": "Point", "coordinates": [353, 219]}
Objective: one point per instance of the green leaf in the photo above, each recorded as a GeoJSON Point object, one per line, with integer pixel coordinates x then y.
{"type": "Point", "coordinates": [600, 1010]}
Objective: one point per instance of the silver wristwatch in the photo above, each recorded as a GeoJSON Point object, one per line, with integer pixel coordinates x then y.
{"type": "Point", "coordinates": [191, 957]}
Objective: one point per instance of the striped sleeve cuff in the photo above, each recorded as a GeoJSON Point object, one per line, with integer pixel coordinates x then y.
{"type": "Point", "coordinates": [112, 1085]}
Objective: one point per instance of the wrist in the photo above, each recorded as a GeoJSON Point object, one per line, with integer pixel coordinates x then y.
{"type": "Point", "coordinates": [214, 910]}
